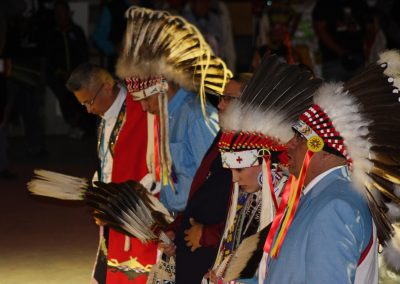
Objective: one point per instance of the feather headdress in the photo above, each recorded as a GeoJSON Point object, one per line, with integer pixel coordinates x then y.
{"type": "Point", "coordinates": [158, 49]}
{"type": "Point", "coordinates": [359, 119]}
{"type": "Point", "coordinates": [255, 128]}
{"type": "Point", "coordinates": [263, 115]}
{"type": "Point", "coordinates": [159, 44]}
{"type": "Point", "coordinates": [274, 97]}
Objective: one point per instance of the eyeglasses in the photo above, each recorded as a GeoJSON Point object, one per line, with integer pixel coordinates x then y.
{"type": "Point", "coordinates": [227, 98]}
{"type": "Point", "coordinates": [91, 102]}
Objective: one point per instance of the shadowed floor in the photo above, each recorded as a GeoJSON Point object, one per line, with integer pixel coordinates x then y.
{"type": "Point", "coordinates": [43, 240]}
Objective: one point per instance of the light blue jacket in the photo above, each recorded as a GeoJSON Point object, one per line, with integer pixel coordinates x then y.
{"type": "Point", "coordinates": [332, 227]}
{"type": "Point", "coordinates": [190, 136]}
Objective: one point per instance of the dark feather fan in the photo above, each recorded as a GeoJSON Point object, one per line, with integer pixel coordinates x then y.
{"type": "Point", "coordinates": [129, 208]}
{"type": "Point", "coordinates": [126, 207]}
{"type": "Point", "coordinates": [366, 112]}
{"type": "Point", "coordinates": [377, 93]}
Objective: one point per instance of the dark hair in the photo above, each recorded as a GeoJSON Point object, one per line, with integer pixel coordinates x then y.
{"type": "Point", "coordinates": [242, 78]}
{"type": "Point", "coordinates": [86, 75]}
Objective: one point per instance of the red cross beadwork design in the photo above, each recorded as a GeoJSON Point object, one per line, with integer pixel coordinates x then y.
{"type": "Point", "coordinates": [239, 159]}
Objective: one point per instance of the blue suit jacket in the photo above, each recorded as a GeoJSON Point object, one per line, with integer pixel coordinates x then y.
{"type": "Point", "coordinates": [190, 136]}
{"type": "Point", "coordinates": [332, 227]}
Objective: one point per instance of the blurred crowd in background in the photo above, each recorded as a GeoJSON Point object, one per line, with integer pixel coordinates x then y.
{"type": "Point", "coordinates": [42, 41]}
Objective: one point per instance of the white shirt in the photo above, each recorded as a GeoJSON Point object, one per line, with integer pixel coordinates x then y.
{"type": "Point", "coordinates": [109, 120]}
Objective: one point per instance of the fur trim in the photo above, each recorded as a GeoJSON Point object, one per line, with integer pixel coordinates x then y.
{"type": "Point", "coordinates": [246, 259]}
{"type": "Point", "coordinates": [244, 252]}
{"type": "Point", "coordinates": [391, 252]}
{"type": "Point", "coordinates": [344, 113]}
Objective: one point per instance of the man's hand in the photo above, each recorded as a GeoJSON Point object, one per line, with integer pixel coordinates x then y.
{"type": "Point", "coordinates": [99, 222]}
{"type": "Point", "coordinates": [193, 235]}
{"type": "Point", "coordinates": [170, 249]}
{"type": "Point", "coordinates": [211, 276]}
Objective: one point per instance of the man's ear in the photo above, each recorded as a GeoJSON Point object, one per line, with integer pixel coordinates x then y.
{"type": "Point", "coordinates": [108, 86]}
{"type": "Point", "coordinates": [326, 156]}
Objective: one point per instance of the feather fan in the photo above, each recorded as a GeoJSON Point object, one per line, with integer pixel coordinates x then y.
{"type": "Point", "coordinates": [57, 185]}
{"type": "Point", "coordinates": [128, 207]}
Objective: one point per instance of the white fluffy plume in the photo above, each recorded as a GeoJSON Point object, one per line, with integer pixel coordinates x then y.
{"type": "Point", "coordinates": [392, 59]}
{"type": "Point", "coordinates": [271, 124]}
{"type": "Point", "coordinates": [345, 115]}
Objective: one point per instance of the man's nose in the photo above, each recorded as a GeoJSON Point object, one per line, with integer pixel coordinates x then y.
{"type": "Point", "coordinates": [221, 105]}
{"type": "Point", "coordinates": [89, 109]}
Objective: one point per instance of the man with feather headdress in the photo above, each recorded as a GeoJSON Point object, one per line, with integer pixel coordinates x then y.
{"type": "Point", "coordinates": [164, 61]}
{"type": "Point", "coordinates": [345, 156]}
